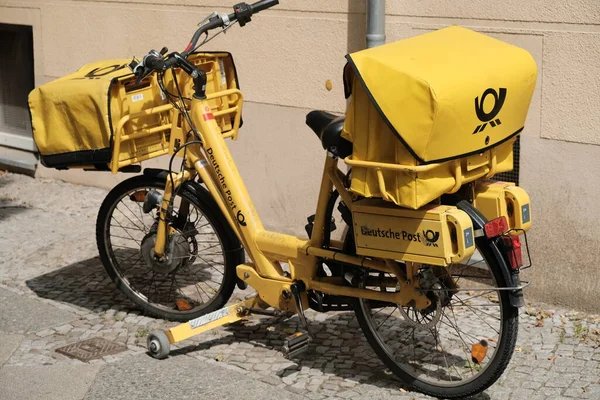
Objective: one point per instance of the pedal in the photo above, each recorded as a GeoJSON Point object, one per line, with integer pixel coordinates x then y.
{"type": "Point", "coordinates": [296, 344]}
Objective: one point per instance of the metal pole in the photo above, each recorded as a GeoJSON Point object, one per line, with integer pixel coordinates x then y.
{"type": "Point", "coordinates": [375, 23]}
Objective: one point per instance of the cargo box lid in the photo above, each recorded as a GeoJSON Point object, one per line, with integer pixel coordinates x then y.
{"type": "Point", "coordinates": [448, 93]}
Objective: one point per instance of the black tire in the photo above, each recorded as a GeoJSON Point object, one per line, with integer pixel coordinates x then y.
{"type": "Point", "coordinates": [492, 371]}
{"type": "Point", "coordinates": [231, 249]}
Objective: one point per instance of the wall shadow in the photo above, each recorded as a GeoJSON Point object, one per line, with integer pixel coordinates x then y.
{"type": "Point", "coordinates": [9, 209]}
{"type": "Point", "coordinates": [356, 26]}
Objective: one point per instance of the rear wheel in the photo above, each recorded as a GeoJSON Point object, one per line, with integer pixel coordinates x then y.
{"type": "Point", "coordinates": [202, 251]}
{"type": "Point", "coordinates": [458, 346]}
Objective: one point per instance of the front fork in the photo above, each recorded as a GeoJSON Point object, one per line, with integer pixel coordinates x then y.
{"type": "Point", "coordinates": [174, 181]}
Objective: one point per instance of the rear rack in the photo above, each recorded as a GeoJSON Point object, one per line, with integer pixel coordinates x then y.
{"type": "Point", "coordinates": [461, 173]}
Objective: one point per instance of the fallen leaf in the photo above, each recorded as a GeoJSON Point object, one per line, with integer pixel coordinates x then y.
{"type": "Point", "coordinates": [493, 299]}
{"type": "Point", "coordinates": [403, 390]}
{"type": "Point", "coordinates": [552, 358]}
{"type": "Point", "coordinates": [539, 321]}
{"type": "Point", "coordinates": [270, 328]}
{"type": "Point", "coordinates": [585, 389]}
{"type": "Point", "coordinates": [219, 357]}
{"type": "Point", "coordinates": [519, 349]}
{"type": "Point", "coordinates": [531, 312]}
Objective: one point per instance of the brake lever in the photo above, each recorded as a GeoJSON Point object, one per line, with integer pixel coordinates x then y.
{"type": "Point", "coordinates": [138, 69]}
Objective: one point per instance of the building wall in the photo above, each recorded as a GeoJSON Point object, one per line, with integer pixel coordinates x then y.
{"type": "Point", "coordinates": [284, 58]}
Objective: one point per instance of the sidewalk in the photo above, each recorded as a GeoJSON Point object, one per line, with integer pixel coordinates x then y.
{"type": "Point", "coordinates": [54, 291]}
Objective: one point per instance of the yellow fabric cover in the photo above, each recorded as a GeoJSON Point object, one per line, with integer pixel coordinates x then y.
{"type": "Point", "coordinates": [71, 113]}
{"type": "Point", "coordinates": [427, 89]}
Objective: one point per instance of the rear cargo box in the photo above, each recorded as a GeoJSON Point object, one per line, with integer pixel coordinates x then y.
{"type": "Point", "coordinates": [433, 112]}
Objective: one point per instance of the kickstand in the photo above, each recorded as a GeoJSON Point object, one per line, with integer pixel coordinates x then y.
{"type": "Point", "coordinates": [297, 288]}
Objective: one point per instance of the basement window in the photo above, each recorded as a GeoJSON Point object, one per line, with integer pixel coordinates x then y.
{"type": "Point", "coordinates": [16, 81]}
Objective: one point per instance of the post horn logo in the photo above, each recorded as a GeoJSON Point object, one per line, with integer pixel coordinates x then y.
{"type": "Point", "coordinates": [491, 116]}
{"type": "Point", "coordinates": [431, 237]}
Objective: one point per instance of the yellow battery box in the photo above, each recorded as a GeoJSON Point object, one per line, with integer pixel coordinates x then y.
{"type": "Point", "coordinates": [434, 234]}
{"type": "Point", "coordinates": [496, 199]}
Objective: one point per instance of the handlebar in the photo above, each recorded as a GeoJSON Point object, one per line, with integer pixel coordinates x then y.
{"type": "Point", "coordinates": [155, 62]}
{"type": "Point", "coordinates": [263, 5]}
{"type": "Point", "coordinates": [243, 12]}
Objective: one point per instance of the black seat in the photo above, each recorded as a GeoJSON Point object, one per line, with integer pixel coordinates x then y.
{"type": "Point", "coordinates": [328, 128]}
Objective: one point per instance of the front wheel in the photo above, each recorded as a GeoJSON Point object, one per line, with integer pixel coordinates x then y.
{"type": "Point", "coordinates": [202, 250]}
{"type": "Point", "coordinates": [457, 347]}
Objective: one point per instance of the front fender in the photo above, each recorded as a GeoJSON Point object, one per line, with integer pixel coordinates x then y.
{"type": "Point", "coordinates": [195, 188]}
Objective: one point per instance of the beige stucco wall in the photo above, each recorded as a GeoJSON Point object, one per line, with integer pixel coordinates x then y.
{"type": "Point", "coordinates": [284, 57]}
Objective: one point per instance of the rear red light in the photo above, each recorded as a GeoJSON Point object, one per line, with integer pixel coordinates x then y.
{"type": "Point", "coordinates": [496, 227]}
{"type": "Point", "coordinates": [512, 244]}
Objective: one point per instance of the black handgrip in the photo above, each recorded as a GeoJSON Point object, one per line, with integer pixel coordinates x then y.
{"type": "Point", "coordinates": [263, 5]}
{"type": "Point", "coordinates": [154, 62]}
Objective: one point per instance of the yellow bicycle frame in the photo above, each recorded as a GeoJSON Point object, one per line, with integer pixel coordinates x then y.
{"type": "Point", "coordinates": [215, 166]}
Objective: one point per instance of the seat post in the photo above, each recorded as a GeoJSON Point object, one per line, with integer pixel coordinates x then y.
{"type": "Point", "coordinates": [318, 232]}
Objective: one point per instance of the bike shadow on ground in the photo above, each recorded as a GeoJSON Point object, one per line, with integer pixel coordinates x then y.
{"type": "Point", "coordinates": [84, 284]}
{"type": "Point", "coordinates": [338, 348]}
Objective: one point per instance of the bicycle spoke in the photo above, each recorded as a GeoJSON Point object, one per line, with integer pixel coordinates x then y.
{"type": "Point", "coordinates": [388, 317]}
{"type": "Point", "coordinates": [484, 321]}
{"type": "Point", "coordinates": [129, 219]}
{"type": "Point", "coordinates": [135, 215]}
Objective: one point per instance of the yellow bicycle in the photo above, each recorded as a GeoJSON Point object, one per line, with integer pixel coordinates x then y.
{"type": "Point", "coordinates": [435, 287]}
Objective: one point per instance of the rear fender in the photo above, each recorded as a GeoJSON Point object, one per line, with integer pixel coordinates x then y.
{"type": "Point", "coordinates": [512, 279]}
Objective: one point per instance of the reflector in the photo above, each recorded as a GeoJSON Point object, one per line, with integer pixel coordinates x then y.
{"type": "Point", "coordinates": [496, 227]}
{"type": "Point", "coordinates": [479, 351]}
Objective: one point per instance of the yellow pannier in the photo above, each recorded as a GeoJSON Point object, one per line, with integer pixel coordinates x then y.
{"type": "Point", "coordinates": [430, 113]}
{"type": "Point", "coordinates": [99, 118]}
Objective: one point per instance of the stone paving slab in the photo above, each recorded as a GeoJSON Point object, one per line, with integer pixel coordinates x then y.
{"type": "Point", "coordinates": [183, 377]}
{"type": "Point", "coordinates": [557, 355]}
{"type": "Point", "coordinates": [8, 345]}
{"type": "Point", "coordinates": [57, 382]}
{"type": "Point", "coordinates": [20, 314]}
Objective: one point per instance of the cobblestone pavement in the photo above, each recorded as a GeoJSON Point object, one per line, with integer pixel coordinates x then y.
{"type": "Point", "coordinates": [49, 255]}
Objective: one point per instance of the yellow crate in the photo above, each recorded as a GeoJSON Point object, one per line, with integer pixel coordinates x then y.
{"type": "Point", "coordinates": [150, 127]}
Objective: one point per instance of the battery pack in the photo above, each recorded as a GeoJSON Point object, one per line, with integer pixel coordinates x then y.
{"type": "Point", "coordinates": [434, 234]}
{"type": "Point", "coordinates": [503, 199]}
